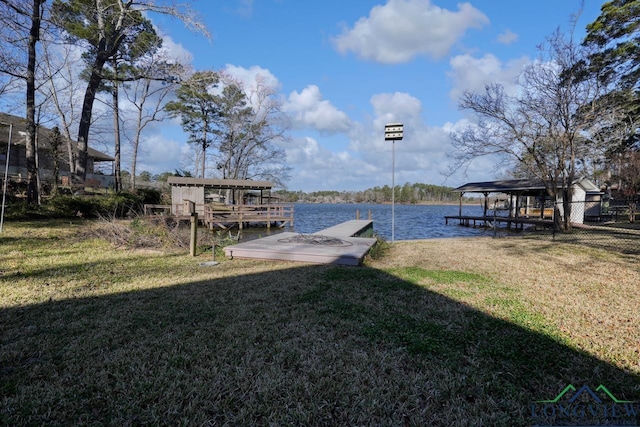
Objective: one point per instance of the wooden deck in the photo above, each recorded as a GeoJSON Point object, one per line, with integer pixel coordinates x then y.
{"type": "Point", "coordinates": [227, 216]}
{"type": "Point", "coordinates": [488, 221]}
{"type": "Point", "coordinates": [240, 215]}
{"type": "Point", "coordinates": [334, 245]}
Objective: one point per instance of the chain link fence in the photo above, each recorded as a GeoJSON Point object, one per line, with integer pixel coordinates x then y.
{"type": "Point", "coordinates": [608, 225]}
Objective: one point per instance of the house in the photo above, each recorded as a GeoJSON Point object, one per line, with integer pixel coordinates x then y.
{"type": "Point", "coordinates": [17, 164]}
{"type": "Point", "coordinates": [529, 198]}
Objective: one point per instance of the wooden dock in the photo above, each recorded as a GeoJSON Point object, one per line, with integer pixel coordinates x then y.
{"type": "Point", "coordinates": [340, 244]}
{"type": "Point", "coordinates": [228, 215]}
{"type": "Point", "coordinates": [489, 221]}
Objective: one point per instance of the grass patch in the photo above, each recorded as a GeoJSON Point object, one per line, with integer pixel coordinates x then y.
{"type": "Point", "coordinates": [417, 275]}
{"type": "Point", "coordinates": [97, 333]}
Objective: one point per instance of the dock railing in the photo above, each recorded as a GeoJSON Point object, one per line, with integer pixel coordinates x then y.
{"type": "Point", "coordinates": [224, 216]}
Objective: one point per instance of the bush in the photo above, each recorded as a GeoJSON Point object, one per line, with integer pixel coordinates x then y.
{"type": "Point", "coordinates": [119, 205]}
{"type": "Point", "coordinates": [70, 206]}
{"type": "Point", "coordinates": [115, 205]}
{"type": "Point", "coordinates": [379, 249]}
{"type": "Point", "coordinates": [149, 196]}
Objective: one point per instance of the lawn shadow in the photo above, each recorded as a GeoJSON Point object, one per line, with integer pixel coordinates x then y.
{"type": "Point", "coordinates": [307, 345]}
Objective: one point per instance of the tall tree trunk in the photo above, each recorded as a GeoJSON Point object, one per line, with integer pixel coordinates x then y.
{"type": "Point", "coordinates": [204, 148]}
{"type": "Point", "coordinates": [116, 129]}
{"type": "Point", "coordinates": [55, 141]}
{"type": "Point", "coordinates": [32, 169]}
{"type": "Point", "coordinates": [136, 145]}
{"type": "Point", "coordinates": [82, 157]}
{"type": "Point", "coordinates": [566, 207]}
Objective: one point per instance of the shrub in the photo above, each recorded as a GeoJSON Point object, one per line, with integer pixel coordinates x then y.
{"type": "Point", "coordinates": [379, 249]}
{"type": "Point", "coordinates": [149, 196]}
{"type": "Point", "coordinates": [119, 205]}
{"type": "Point", "coordinates": [115, 205]}
{"type": "Point", "coordinates": [70, 206]}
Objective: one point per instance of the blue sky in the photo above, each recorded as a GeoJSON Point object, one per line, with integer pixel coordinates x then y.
{"type": "Point", "coordinates": [342, 69]}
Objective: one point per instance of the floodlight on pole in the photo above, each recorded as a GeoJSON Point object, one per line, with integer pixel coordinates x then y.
{"type": "Point", "coordinates": [6, 175]}
{"type": "Point", "coordinates": [393, 132]}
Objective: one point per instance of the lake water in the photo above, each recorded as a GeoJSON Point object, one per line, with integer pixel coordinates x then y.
{"type": "Point", "coordinates": [411, 221]}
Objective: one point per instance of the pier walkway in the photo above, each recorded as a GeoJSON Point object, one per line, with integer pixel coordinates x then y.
{"type": "Point", "coordinates": [340, 244]}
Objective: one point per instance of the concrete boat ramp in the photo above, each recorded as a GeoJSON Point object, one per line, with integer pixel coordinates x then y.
{"type": "Point", "coordinates": [334, 245]}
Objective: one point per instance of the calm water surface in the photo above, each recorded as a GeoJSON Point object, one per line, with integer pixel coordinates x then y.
{"type": "Point", "coordinates": [411, 221]}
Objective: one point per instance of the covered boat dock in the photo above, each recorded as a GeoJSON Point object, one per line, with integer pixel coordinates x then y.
{"type": "Point", "coordinates": [223, 203]}
{"type": "Point", "coordinates": [522, 202]}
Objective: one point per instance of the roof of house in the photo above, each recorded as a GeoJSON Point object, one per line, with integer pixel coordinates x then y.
{"type": "Point", "coordinates": [246, 184]}
{"type": "Point", "coordinates": [19, 125]}
{"type": "Point", "coordinates": [523, 186]}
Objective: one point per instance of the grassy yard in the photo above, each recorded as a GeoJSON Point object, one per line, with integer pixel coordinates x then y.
{"type": "Point", "coordinates": [438, 332]}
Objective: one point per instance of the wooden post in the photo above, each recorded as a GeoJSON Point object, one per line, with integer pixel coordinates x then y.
{"type": "Point", "coordinates": [357, 213]}
{"type": "Point", "coordinates": [268, 217]}
{"type": "Point", "coordinates": [194, 233]}
{"type": "Point", "coordinates": [190, 207]}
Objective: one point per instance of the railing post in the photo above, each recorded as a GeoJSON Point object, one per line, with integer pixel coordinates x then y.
{"type": "Point", "coordinates": [268, 217]}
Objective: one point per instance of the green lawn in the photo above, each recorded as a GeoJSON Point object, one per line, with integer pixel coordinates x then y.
{"type": "Point", "coordinates": [91, 334]}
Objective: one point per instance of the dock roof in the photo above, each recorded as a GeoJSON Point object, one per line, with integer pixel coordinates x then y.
{"type": "Point", "coordinates": [523, 186]}
{"type": "Point", "coordinates": [502, 186]}
{"type": "Point", "coordinates": [233, 184]}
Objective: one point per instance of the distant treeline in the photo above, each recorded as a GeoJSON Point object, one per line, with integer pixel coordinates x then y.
{"type": "Point", "coordinates": [407, 193]}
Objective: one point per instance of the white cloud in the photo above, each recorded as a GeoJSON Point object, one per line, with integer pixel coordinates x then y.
{"type": "Point", "coordinates": [395, 107]}
{"type": "Point", "coordinates": [473, 74]}
{"type": "Point", "coordinates": [421, 156]}
{"type": "Point", "coordinates": [252, 77]}
{"type": "Point", "coordinates": [308, 109]}
{"type": "Point", "coordinates": [507, 37]}
{"type": "Point", "coordinates": [158, 154]}
{"type": "Point", "coordinates": [176, 50]}
{"type": "Point", "coordinates": [317, 168]}
{"type": "Point", "coordinates": [403, 29]}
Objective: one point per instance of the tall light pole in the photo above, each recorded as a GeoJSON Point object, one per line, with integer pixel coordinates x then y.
{"type": "Point", "coordinates": [393, 133]}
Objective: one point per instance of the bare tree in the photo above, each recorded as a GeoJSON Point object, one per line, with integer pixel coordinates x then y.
{"type": "Point", "coordinates": [21, 24]}
{"type": "Point", "coordinates": [251, 123]}
{"type": "Point", "coordinates": [55, 142]}
{"type": "Point", "coordinates": [545, 128]}
{"type": "Point", "coordinates": [148, 96]}
{"type": "Point", "coordinates": [199, 112]}
{"type": "Point", "coordinates": [105, 25]}
{"type": "Point", "coordinates": [64, 89]}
